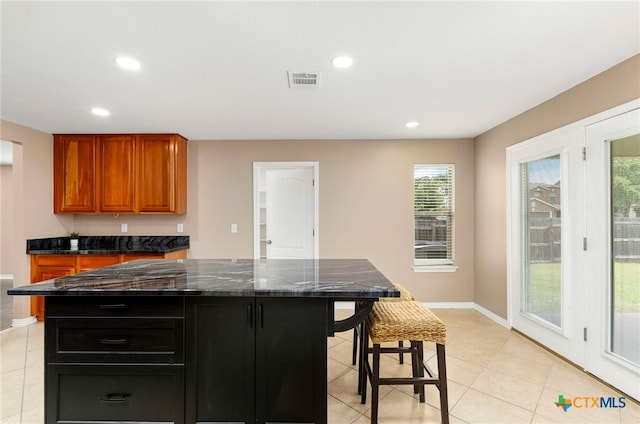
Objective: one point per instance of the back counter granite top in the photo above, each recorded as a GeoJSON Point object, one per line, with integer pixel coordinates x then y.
{"type": "Point", "coordinates": [101, 245]}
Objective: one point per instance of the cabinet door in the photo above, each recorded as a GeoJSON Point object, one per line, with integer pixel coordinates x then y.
{"type": "Point", "coordinates": [161, 173]}
{"type": "Point", "coordinates": [116, 173]}
{"type": "Point", "coordinates": [74, 182]}
{"type": "Point", "coordinates": [132, 256]}
{"type": "Point", "coordinates": [89, 262]}
{"type": "Point", "coordinates": [291, 360]}
{"type": "Point", "coordinates": [220, 360]}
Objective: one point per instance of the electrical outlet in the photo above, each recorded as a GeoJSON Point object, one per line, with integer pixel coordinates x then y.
{"type": "Point", "coordinates": [234, 228]}
{"type": "Point", "coordinates": [180, 228]}
{"type": "Point", "coordinates": [123, 228]}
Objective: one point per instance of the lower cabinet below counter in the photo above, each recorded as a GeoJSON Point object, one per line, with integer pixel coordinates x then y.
{"type": "Point", "coordinates": [47, 267]}
{"type": "Point", "coordinates": [115, 393]}
{"type": "Point", "coordinates": [114, 360]}
{"type": "Point", "coordinates": [245, 360]}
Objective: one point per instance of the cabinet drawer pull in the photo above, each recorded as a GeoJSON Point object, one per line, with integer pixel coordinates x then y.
{"type": "Point", "coordinates": [112, 342]}
{"type": "Point", "coordinates": [115, 398]}
{"type": "Point", "coordinates": [112, 307]}
{"type": "Point", "coordinates": [260, 316]}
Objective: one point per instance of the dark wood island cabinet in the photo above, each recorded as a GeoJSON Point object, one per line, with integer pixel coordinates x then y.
{"type": "Point", "coordinates": [114, 359]}
{"type": "Point", "coordinates": [197, 341]}
{"type": "Point", "coordinates": [255, 346]}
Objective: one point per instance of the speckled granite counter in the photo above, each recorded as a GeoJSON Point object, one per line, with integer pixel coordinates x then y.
{"type": "Point", "coordinates": [101, 245]}
{"type": "Point", "coordinates": [334, 278]}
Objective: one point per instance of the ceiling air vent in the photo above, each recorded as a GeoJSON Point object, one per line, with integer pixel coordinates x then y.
{"type": "Point", "coordinates": [304, 80]}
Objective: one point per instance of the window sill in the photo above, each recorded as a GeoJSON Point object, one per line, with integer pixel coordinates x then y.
{"type": "Point", "coordinates": [435, 268]}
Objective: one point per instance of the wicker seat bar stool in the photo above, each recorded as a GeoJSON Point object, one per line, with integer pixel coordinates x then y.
{"type": "Point", "coordinates": [405, 295]}
{"type": "Point", "coordinates": [394, 321]}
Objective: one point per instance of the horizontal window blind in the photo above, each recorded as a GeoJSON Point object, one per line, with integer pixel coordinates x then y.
{"type": "Point", "coordinates": [434, 213]}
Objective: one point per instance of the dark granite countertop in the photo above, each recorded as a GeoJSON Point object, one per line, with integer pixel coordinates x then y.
{"type": "Point", "coordinates": [334, 278]}
{"type": "Point", "coordinates": [108, 245]}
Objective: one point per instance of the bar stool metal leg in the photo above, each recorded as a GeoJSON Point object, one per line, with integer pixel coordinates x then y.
{"type": "Point", "coordinates": [416, 368]}
{"type": "Point", "coordinates": [375, 383]}
{"type": "Point", "coordinates": [442, 386]}
{"type": "Point", "coordinates": [362, 369]}
{"type": "Point", "coordinates": [420, 361]}
{"type": "Point", "coordinates": [354, 353]}
{"type": "Point", "coordinates": [362, 379]}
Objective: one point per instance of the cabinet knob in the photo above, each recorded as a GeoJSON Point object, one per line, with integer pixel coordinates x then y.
{"type": "Point", "coordinates": [269, 242]}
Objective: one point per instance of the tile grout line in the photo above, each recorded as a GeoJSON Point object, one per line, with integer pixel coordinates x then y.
{"type": "Point", "coordinates": [360, 414]}
{"type": "Point", "coordinates": [24, 371]}
{"type": "Point", "coordinates": [542, 390]}
{"type": "Point", "coordinates": [490, 395]}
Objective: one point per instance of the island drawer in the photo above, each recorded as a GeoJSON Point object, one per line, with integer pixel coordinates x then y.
{"type": "Point", "coordinates": [107, 306]}
{"type": "Point", "coordinates": [86, 394]}
{"type": "Point", "coordinates": [124, 340]}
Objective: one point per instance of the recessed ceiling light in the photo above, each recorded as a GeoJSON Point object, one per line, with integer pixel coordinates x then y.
{"type": "Point", "coordinates": [342, 62]}
{"type": "Point", "coordinates": [100, 111]}
{"type": "Point", "coordinates": [411, 124]}
{"type": "Point", "coordinates": [128, 63]}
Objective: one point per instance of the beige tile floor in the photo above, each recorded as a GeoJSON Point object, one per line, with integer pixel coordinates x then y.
{"type": "Point", "coordinates": [495, 376]}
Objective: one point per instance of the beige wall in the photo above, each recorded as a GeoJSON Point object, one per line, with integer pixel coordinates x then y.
{"type": "Point", "coordinates": [32, 179]}
{"type": "Point", "coordinates": [366, 204]}
{"type": "Point", "coordinates": [365, 195]}
{"type": "Point", "coordinates": [6, 220]}
{"type": "Point", "coordinates": [611, 88]}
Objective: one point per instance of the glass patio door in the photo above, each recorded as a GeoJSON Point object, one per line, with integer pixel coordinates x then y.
{"type": "Point", "coordinates": [546, 227]}
{"type": "Point", "coordinates": [613, 252]}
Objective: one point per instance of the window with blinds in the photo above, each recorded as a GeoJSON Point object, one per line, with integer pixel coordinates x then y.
{"type": "Point", "coordinates": [433, 212]}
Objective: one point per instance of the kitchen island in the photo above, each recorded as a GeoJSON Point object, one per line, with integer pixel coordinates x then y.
{"type": "Point", "coordinates": [189, 341]}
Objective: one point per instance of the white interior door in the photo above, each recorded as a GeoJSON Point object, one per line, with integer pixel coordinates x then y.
{"type": "Point", "coordinates": [546, 226]}
{"type": "Point", "coordinates": [286, 217]}
{"type": "Point", "coordinates": [613, 253]}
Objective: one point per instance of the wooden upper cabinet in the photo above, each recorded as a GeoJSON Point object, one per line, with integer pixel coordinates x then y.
{"type": "Point", "coordinates": [162, 174]}
{"type": "Point", "coordinates": [120, 173]}
{"type": "Point", "coordinates": [116, 180]}
{"type": "Point", "coordinates": [74, 182]}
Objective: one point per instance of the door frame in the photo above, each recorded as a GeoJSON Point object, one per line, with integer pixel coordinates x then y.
{"type": "Point", "coordinates": [258, 168]}
{"type": "Point", "coordinates": [513, 277]}
{"type": "Point", "coordinates": [601, 361]}
{"type": "Point", "coordinates": [566, 142]}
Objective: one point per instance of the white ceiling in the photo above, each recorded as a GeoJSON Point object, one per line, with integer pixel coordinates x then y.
{"type": "Point", "coordinates": [218, 70]}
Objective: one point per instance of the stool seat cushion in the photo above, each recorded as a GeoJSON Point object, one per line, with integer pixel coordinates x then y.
{"type": "Point", "coordinates": [394, 321]}
{"type": "Point", "coordinates": [405, 295]}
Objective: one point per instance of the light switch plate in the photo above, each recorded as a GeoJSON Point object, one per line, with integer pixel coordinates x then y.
{"type": "Point", "coordinates": [123, 228]}
{"type": "Point", "coordinates": [180, 228]}
{"type": "Point", "coordinates": [234, 228]}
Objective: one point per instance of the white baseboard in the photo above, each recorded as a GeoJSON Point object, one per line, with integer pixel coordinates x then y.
{"type": "Point", "coordinates": [449, 305]}
{"type": "Point", "coordinates": [469, 305]}
{"type": "Point", "coordinates": [23, 322]}
{"type": "Point", "coordinates": [6, 276]}
{"type": "Point", "coordinates": [497, 318]}
{"type": "Point", "coordinates": [446, 305]}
